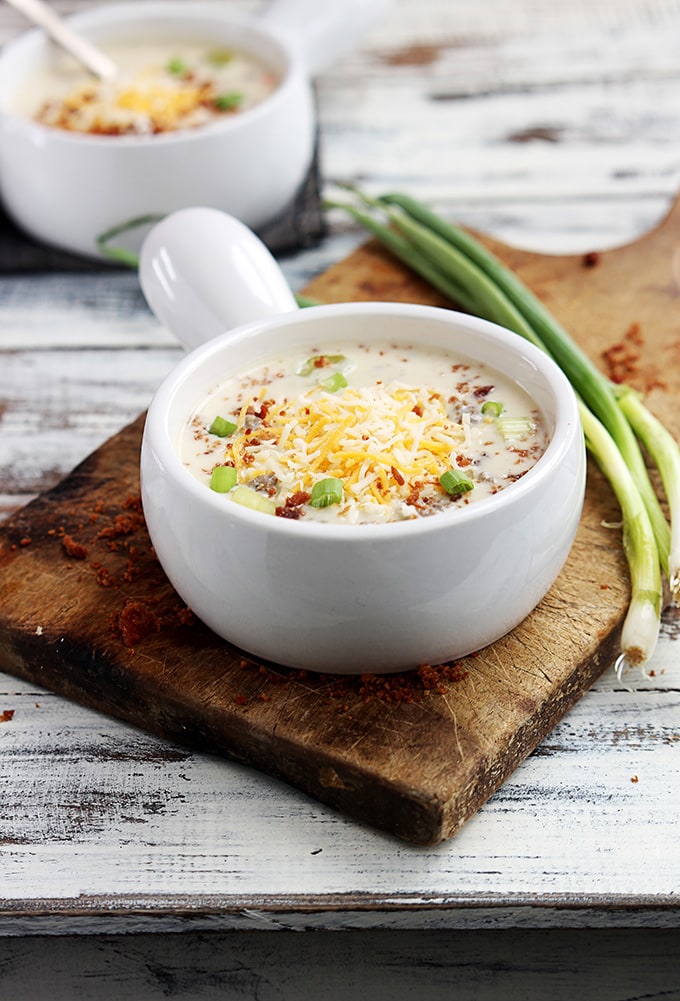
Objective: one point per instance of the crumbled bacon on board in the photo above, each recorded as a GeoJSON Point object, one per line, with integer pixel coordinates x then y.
{"type": "Point", "coordinates": [136, 621]}
{"type": "Point", "coordinates": [624, 364]}
{"type": "Point", "coordinates": [405, 687]}
{"type": "Point", "coordinates": [139, 618]}
{"type": "Point", "coordinates": [74, 549]}
{"type": "Point", "coordinates": [622, 359]}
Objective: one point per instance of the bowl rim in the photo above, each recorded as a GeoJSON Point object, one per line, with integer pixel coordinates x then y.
{"type": "Point", "coordinates": [292, 77]}
{"type": "Point", "coordinates": [157, 436]}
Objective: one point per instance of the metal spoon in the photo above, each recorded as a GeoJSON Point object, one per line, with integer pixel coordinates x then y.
{"type": "Point", "coordinates": [45, 17]}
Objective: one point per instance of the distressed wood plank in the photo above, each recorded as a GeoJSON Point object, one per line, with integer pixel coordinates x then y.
{"type": "Point", "coordinates": [617, 135]}
{"type": "Point", "coordinates": [392, 966]}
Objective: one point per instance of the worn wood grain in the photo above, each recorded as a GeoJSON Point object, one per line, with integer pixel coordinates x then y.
{"type": "Point", "coordinates": [415, 770]}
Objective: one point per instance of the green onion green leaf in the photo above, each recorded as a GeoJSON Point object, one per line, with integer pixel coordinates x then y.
{"type": "Point", "coordinates": [512, 428]}
{"type": "Point", "coordinates": [310, 364]}
{"type": "Point", "coordinates": [219, 57]}
{"type": "Point", "coordinates": [614, 419]}
{"type": "Point", "coordinates": [227, 102]}
{"type": "Point", "coordinates": [326, 492]}
{"type": "Point", "coordinates": [222, 427]}
{"type": "Point", "coordinates": [222, 479]}
{"type": "Point", "coordinates": [455, 482]}
{"type": "Point", "coordinates": [177, 66]}
{"type": "Point", "coordinates": [493, 408]}
{"type": "Point", "coordinates": [246, 497]}
{"type": "Point", "coordinates": [334, 382]}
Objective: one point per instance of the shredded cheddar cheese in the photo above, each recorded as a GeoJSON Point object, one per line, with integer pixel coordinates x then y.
{"type": "Point", "coordinates": [377, 440]}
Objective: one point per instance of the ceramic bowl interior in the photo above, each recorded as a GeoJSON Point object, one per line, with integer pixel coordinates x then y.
{"type": "Point", "coordinates": [33, 52]}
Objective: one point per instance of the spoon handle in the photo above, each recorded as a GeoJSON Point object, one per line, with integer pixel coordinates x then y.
{"type": "Point", "coordinates": [45, 17]}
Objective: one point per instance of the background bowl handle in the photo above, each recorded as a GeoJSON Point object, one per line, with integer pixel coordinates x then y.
{"type": "Point", "coordinates": [322, 30]}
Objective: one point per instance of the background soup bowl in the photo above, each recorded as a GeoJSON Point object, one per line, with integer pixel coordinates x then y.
{"type": "Point", "coordinates": [364, 598]}
{"type": "Point", "coordinates": [68, 189]}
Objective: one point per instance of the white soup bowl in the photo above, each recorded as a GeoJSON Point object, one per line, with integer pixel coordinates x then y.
{"type": "Point", "coordinates": [69, 189]}
{"type": "Point", "coordinates": [341, 598]}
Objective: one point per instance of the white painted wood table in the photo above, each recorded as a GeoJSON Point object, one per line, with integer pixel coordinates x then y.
{"type": "Point", "coordinates": [136, 869]}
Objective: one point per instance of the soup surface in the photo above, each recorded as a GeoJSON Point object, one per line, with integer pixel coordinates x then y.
{"type": "Point", "coordinates": [363, 434]}
{"type": "Point", "coordinates": [161, 88]}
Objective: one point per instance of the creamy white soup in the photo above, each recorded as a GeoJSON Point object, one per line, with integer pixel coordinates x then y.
{"type": "Point", "coordinates": [363, 434]}
{"type": "Point", "coordinates": [160, 88]}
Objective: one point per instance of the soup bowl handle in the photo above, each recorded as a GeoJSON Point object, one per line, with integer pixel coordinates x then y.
{"type": "Point", "coordinates": [203, 273]}
{"type": "Point", "coordinates": [322, 30]}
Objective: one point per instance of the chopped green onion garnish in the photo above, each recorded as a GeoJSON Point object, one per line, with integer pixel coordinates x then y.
{"type": "Point", "coordinates": [177, 66]}
{"type": "Point", "coordinates": [326, 492]}
{"type": "Point", "coordinates": [454, 482]}
{"type": "Point", "coordinates": [493, 408]}
{"type": "Point", "coordinates": [219, 57]}
{"type": "Point", "coordinates": [317, 361]}
{"type": "Point", "coordinates": [334, 382]}
{"type": "Point", "coordinates": [512, 428]}
{"type": "Point", "coordinates": [222, 427]}
{"type": "Point", "coordinates": [222, 479]}
{"type": "Point", "coordinates": [251, 498]}
{"type": "Point", "coordinates": [226, 102]}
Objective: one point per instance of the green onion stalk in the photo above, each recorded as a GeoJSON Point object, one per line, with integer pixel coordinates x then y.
{"type": "Point", "coordinates": [614, 418]}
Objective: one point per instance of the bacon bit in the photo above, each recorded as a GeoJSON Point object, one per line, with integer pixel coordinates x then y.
{"type": "Point", "coordinates": [634, 334]}
{"type": "Point", "coordinates": [293, 504]}
{"type": "Point", "coordinates": [397, 476]}
{"type": "Point", "coordinates": [482, 391]}
{"type": "Point", "coordinates": [26, 541]}
{"type": "Point", "coordinates": [73, 549]}
{"type": "Point", "coordinates": [132, 570]}
{"type": "Point", "coordinates": [133, 502]}
{"type": "Point", "coordinates": [240, 700]}
{"type": "Point", "coordinates": [591, 259]}
{"type": "Point", "coordinates": [135, 622]}
{"type": "Point", "coordinates": [634, 778]}
{"type": "Point", "coordinates": [622, 359]}
{"type": "Point", "coordinates": [6, 715]}
{"type": "Point", "coordinates": [123, 524]}
{"type": "Point", "coordinates": [186, 617]}
{"type": "Point", "coordinates": [104, 577]}
{"type": "Point", "coordinates": [407, 686]}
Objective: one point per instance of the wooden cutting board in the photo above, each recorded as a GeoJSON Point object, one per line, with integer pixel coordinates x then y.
{"type": "Point", "coordinates": [86, 611]}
